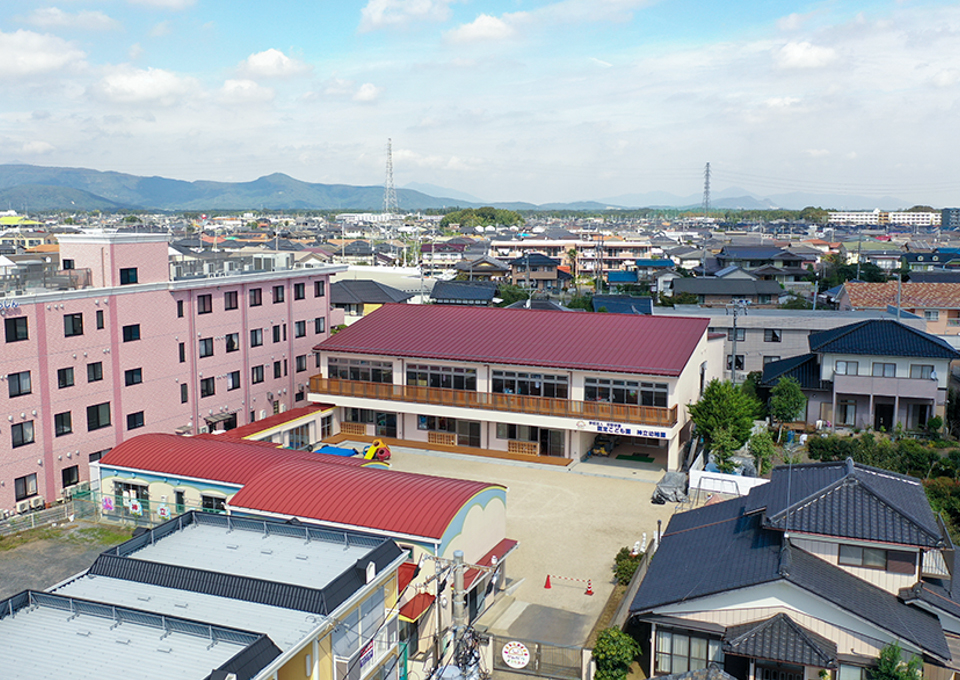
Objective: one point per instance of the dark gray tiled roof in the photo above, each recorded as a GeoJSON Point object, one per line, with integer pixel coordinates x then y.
{"type": "Point", "coordinates": [463, 290]}
{"type": "Point", "coordinates": [364, 291]}
{"type": "Point", "coordinates": [623, 304]}
{"type": "Point", "coordinates": [705, 285]}
{"type": "Point", "coordinates": [711, 672]}
{"type": "Point", "coordinates": [780, 638]}
{"type": "Point", "coordinates": [881, 337]}
{"type": "Point", "coordinates": [805, 369]}
{"type": "Point", "coordinates": [535, 260]}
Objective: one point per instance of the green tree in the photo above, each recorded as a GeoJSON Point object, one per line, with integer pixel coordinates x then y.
{"type": "Point", "coordinates": [796, 302]}
{"type": "Point", "coordinates": [724, 405]}
{"type": "Point", "coordinates": [762, 448]}
{"type": "Point", "coordinates": [625, 565]}
{"type": "Point", "coordinates": [613, 653]}
{"type": "Point", "coordinates": [509, 294]}
{"type": "Point", "coordinates": [723, 446]}
{"type": "Point", "coordinates": [891, 666]}
{"type": "Point", "coordinates": [787, 402]}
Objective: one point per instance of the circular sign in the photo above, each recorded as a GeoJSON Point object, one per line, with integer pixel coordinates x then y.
{"type": "Point", "coordinates": [515, 654]}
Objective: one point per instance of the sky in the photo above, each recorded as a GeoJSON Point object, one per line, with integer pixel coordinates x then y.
{"type": "Point", "coordinates": [527, 100]}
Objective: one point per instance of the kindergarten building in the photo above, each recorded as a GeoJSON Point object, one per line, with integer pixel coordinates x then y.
{"type": "Point", "coordinates": [531, 383]}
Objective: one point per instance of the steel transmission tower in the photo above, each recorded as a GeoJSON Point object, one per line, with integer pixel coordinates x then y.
{"type": "Point", "coordinates": [706, 190]}
{"type": "Point", "coordinates": [390, 206]}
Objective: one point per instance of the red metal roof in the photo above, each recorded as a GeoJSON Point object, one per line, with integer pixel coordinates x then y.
{"type": "Point", "coordinates": [211, 457]}
{"type": "Point", "coordinates": [415, 608]}
{"type": "Point", "coordinates": [625, 343]}
{"type": "Point", "coordinates": [385, 500]}
{"type": "Point", "coordinates": [251, 429]}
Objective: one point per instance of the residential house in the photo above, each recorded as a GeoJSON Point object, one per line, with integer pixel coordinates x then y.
{"type": "Point", "coordinates": [483, 268]}
{"type": "Point", "coordinates": [878, 373]}
{"type": "Point", "coordinates": [357, 297]}
{"type": "Point", "coordinates": [475, 293]}
{"type": "Point", "coordinates": [538, 272]}
{"type": "Point", "coordinates": [714, 291]}
{"type": "Point", "coordinates": [937, 303]}
{"type": "Point", "coordinates": [815, 571]}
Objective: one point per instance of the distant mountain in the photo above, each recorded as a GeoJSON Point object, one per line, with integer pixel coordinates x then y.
{"type": "Point", "coordinates": [442, 192]}
{"type": "Point", "coordinates": [42, 198]}
{"type": "Point", "coordinates": [735, 197]}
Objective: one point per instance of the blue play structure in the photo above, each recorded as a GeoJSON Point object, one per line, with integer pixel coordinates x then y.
{"type": "Point", "coordinates": [336, 451]}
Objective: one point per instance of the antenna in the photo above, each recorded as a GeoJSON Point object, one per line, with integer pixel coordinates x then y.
{"type": "Point", "coordinates": [706, 190]}
{"type": "Point", "coordinates": [390, 205]}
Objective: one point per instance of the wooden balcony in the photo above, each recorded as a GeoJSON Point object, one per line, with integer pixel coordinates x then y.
{"type": "Point", "coordinates": [490, 401]}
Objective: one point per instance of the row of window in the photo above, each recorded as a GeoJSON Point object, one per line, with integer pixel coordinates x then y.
{"type": "Point", "coordinates": [740, 334]}
{"type": "Point", "coordinates": [881, 369]}
{"type": "Point", "coordinates": [26, 486]}
{"type": "Point", "coordinates": [232, 340]}
{"type": "Point", "coordinates": [98, 417]}
{"type": "Point", "coordinates": [231, 298]}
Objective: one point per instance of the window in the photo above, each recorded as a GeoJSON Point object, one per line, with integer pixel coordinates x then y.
{"type": "Point", "coordinates": [182, 348]}
{"type": "Point", "coordinates": [98, 416]}
{"type": "Point", "coordinates": [22, 433]}
{"type": "Point", "coordinates": [740, 362]}
{"type": "Point", "coordinates": [300, 438]}
{"type": "Point", "coordinates": [233, 380]}
{"type": "Point", "coordinates": [16, 329]}
{"type": "Point", "coordinates": [72, 324]}
{"type": "Point", "coordinates": [69, 476]}
{"type": "Point", "coordinates": [131, 333]}
{"type": "Point", "coordinates": [179, 309]}
{"type": "Point", "coordinates": [256, 297]}
{"type": "Point", "coordinates": [65, 377]}
{"type": "Point", "coordinates": [741, 334]}
{"type": "Point", "coordinates": [855, 556]}
{"type": "Point", "coordinates": [770, 360]}
{"type": "Point", "coordinates": [19, 383]}
{"type": "Point", "coordinates": [299, 291]}
{"type": "Point", "coordinates": [134, 420]}
{"type": "Point", "coordinates": [319, 325]}
{"type": "Point", "coordinates": [931, 315]}
{"type": "Point", "coordinates": [300, 329]}
{"type": "Point", "coordinates": [881, 370]}
{"type": "Point", "coordinates": [95, 371]}
{"type": "Point", "coordinates": [326, 426]}
{"type": "Point", "coordinates": [68, 264]}
{"type": "Point", "coordinates": [231, 300]}
{"type": "Point", "coordinates": [205, 304]}
{"type": "Point", "coordinates": [256, 337]}
{"type": "Point", "coordinates": [100, 322]}
{"type": "Point", "coordinates": [319, 288]}
{"type": "Point", "coordinates": [233, 342]}
{"type": "Point", "coordinates": [848, 672]}
{"type": "Point", "coordinates": [847, 367]}
{"type": "Point", "coordinates": [24, 487]}
{"type": "Point", "coordinates": [301, 363]}
{"type": "Point", "coordinates": [625, 392]}
{"type": "Point", "coordinates": [922, 371]}
{"type": "Point", "coordinates": [276, 333]}
{"type": "Point", "coordinates": [133, 376]}
{"type": "Point", "coordinates": [277, 369]}
{"type": "Point", "coordinates": [534, 384]}
{"type": "Point", "coordinates": [128, 275]}
{"type": "Point", "coordinates": [256, 374]}
{"type": "Point", "coordinates": [207, 387]}
{"type": "Point", "coordinates": [361, 369]}
{"type": "Point", "coordinates": [63, 423]}
{"type": "Point", "coordinates": [213, 504]}
{"type": "Point", "coordinates": [184, 393]}
{"type": "Point", "coordinates": [771, 335]}
{"type": "Point", "coordinates": [846, 412]}
{"type": "Point", "coordinates": [680, 653]}
{"type": "Point", "coordinates": [277, 294]}
{"type": "Point", "coordinates": [206, 347]}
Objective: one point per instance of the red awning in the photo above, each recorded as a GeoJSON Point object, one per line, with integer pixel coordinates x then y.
{"type": "Point", "coordinates": [416, 607]}
{"type": "Point", "coordinates": [472, 576]}
{"type": "Point", "coordinates": [405, 575]}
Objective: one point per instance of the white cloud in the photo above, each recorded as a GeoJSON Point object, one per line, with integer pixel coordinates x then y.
{"type": "Point", "coordinates": [135, 51]}
{"type": "Point", "coordinates": [367, 93]}
{"type": "Point", "coordinates": [781, 102]}
{"type": "Point", "coordinates": [804, 55]}
{"type": "Point", "coordinates": [52, 17]}
{"type": "Point", "coordinates": [432, 161]}
{"type": "Point", "coordinates": [160, 29]}
{"type": "Point", "coordinates": [37, 147]}
{"type": "Point", "coordinates": [245, 91]}
{"type": "Point", "coordinates": [484, 28]}
{"type": "Point", "coordinates": [601, 62]}
{"type": "Point", "coordinates": [379, 14]}
{"type": "Point", "coordinates": [26, 53]}
{"type": "Point", "coordinates": [946, 77]}
{"type": "Point", "coordinates": [164, 4]}
{"type": "Point", "coordinates": [816, 153]}
{"type": "Point", "coordinates": [144, 86]}
{"type": "Point", "coordinates": [338, 87]}
{"type": "Point", "coordinates": [794, 21]}
{"type": "Point", "coordinates": [272, 63]}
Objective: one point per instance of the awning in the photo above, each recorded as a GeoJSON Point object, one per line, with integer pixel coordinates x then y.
{"type": "Point", "coordinates": [405, 575]}
{"type": "Point", "coordinates": [416, 607]}
{"type": "Point", "coordinates": [472, 576]}
{"type": "Point", "coordinates": [219, 417]}
{"type": "Point", "coordinates": [780, 638]}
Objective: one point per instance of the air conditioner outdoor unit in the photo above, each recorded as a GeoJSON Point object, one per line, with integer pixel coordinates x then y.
{"type": "Point", "coordinates": [22, 507]}
{"type": "Point", "coordinates": [82, 487]}
{"type": "Point", "coordinates": [204, 429]}
{"type": "Point", "coordinates": [37, 502]}
{"type": "Point", "coordinates": [67, 492]}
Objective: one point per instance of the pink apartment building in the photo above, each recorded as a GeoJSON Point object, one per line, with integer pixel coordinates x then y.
{"type": "Point", "coordinates": [139, 351]}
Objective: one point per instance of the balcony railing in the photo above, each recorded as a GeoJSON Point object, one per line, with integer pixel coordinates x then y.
{"type": "Point", "coordinates": [491, 401]}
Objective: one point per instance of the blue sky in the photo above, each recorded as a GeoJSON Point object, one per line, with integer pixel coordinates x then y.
{"type": "Point", "coordinates": [533, 100]}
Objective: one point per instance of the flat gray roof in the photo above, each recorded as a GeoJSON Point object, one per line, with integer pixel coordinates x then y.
{"type": "Point", "coordinates": [46, 640]}
{"type": "Point", "coordinates": [242, 550]}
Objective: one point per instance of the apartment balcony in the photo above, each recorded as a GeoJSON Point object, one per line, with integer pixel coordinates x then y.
{"type": "Point", "coordinates": [909, 388]}
{"type": "Point", "coordinates": [490, 401]}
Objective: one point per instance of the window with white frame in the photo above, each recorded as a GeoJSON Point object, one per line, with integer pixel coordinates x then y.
{"type": "Point", "coordinates": [921, 371]}
{"type": "Point", "coordinates": [681, 652]}
{"type": "Point", "coordinates": [931, 315]}
{"type": "Point", "coordinates": [846, 367]}
{"type": "Point", "coordinates": [884, 370]}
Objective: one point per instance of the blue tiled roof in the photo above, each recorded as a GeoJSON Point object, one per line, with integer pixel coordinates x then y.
{"type": "Point", "coordinates": [623, 304]}
{"type": "Point", "coordinates": [805, 369]}
{"type": "Point", "coordinates": [621, 277]}
{"type": "Point", "coordinates": [881, 337]}
{"type": "Point", "coordinates": [644, 263]}
{"type": "Point", "coordinates": [462, 290]}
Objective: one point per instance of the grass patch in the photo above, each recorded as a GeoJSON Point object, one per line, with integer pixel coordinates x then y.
{"type": "Point", "coordinates": [101, 535]}
{"type": "Point", "coordinates": [39, 534]}
{"type": "Point", "coordinates": [606, 616]}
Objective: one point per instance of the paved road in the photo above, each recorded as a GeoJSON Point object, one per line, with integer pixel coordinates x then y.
{"type": "Point", "coordinates": [570, 522]}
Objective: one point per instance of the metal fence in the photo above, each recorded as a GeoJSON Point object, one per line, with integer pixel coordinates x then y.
{"type": "Point", "coordinates": [537, 658]}
{"type": "Point", "coordinates": [68, 511]}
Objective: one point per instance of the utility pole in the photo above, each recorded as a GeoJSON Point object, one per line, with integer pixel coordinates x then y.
{"type": "Point", "coordinates": [739, 307]}
{"type": "Point", "coordinates": [706, 191]}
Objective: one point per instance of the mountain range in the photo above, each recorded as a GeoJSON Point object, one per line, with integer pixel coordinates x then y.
{"type": "Point", "coordinates": [38, 189]}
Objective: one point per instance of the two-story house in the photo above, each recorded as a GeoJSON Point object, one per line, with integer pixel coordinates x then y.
{"type": "Point", "coordinates": [875, 373]}
{"type": "Point", "coordinates": [530, 382]}
{"type": "Point", "coordinates": [937, 302]}
{"type": "Point", "coordinates": [815, 571]}
{"type": "Point", "coordinates": [539, 272]}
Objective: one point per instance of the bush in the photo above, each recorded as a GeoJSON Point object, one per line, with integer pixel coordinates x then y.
{"type": "Point", "coordinates": [762, 448]}
{"type": "Point", "coordinates": [613, 653]}
{"type": "Point", "coordinates": [625, 565]}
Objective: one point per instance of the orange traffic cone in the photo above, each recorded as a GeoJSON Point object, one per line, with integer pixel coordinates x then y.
{"type": "Point", "coordinates": [589, 587]}
{"type": "Point", "coordinates": [547, 584]}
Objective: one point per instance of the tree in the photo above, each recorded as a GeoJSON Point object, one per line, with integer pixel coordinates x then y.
{"type": "Point", "coordinates": [572, 257]}
{"type": "Point", "coordinates": [761, 447]}
{"type": "Point", "coordinates": [723, 446]}
{"type": "Point", "coordinates": [891, 666]}
{"type": "Point", "coordinates": [796, 302]}
{"type": "Point", "coordinates": [724, 405]}
{"type": "Point", "coordinates": [625, 565]}
{"type": "Point", "coordinates": [613, 653]}
{"type": "Point", "coordinates": [787, 402]}
{"type": "Point", "coordinates": [509, 294]}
